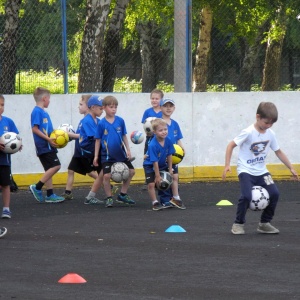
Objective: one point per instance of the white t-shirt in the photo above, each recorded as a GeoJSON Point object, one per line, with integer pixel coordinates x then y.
{"type": "Point", "coordinates": [254, 147]}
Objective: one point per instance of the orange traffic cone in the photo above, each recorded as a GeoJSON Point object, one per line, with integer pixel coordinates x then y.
{"type": "Point", "coordinates": [72, 278]}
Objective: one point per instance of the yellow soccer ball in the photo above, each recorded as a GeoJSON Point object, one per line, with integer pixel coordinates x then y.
{"type": "Point", "coordinates": [178, 156]}
{"type": "Point", "coordinates": [60, 137]}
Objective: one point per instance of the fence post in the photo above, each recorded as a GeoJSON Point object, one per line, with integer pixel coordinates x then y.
{"type": "Point", "coordinates": [64, 45]}
{"type": "Point", "coordinates": [182, 46]}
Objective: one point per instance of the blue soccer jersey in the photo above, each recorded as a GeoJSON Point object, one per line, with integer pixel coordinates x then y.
{"type": "Point", "coordinates": [111, 135]}
{"type": "Point", "coordinates": [87, 131]}
{"type": "Point", "coordinates": [174, 132]}
{"type": "Point", "coordinates": [6, 125]}
{"type": "Point", "coordinates": [150, 112]}
{"type": "Point", "coordinates": [158, 153]}
{"type": "Point", "coordinates": [40, 118]}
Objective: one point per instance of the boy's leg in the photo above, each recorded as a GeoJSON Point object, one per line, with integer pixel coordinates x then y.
{"type": "Point", "coordinates": [246, 183]}
{"type": "Point", "coordinates": [270, 186]}
{"type": "Point", "coordinates": [123, 196]}
{"type": "Point", "coordinates": [5, 183]}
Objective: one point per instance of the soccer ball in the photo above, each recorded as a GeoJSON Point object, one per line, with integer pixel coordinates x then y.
{"type": "Point", "coordinates": [67, 128]}
{"type": "Point", "coordinates": [137, 137]}
{"type": "Point", "coordinates": [148, 127]}
{"type": "Point", "coordinates": [119, 172]}
{"type": "Point", "coordinates": [178, 156]}
{"type": "Point", "coordinates": [260, 198]}
{"type": "Point", "coordinates": [166, 181]}
{"type": "Point", "coordinates": [12, 142]}
{"type": "Point", "coordinates": [60, 137]}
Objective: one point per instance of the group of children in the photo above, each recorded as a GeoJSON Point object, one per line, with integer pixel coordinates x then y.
{"type": "Point", "coordinates": [99, 143]}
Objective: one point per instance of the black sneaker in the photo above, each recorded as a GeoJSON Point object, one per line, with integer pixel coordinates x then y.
{"type": "Point", "coordinates": [157, 206]}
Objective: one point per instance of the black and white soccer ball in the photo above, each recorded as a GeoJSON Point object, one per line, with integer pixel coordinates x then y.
{"type": "Point", "coordinates": [260, 198]}
{"type": "Point", "coordinates": [166, 181]}
{"type": "Point", "coordinates": [119, 172]}
{"type": "Point", "coordinates": [11, 141]}
{"type": "Point", "coordinates": [148, 126]}
{"type": "Point", "coordinates": [67, 128]}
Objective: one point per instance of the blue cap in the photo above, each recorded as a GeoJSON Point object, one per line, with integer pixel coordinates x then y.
{"type": "Point", "coordinates": [94, 100]}
{"type": "Point", "coordinates": [165, 101]}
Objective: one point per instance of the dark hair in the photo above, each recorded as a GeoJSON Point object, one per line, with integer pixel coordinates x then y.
{"type": "Point", "coordinates": [267, 110]}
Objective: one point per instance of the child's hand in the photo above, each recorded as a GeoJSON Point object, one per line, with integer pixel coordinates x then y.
{"type": "Point", "coordinates": [295, 175]}
{"type": "Point", "coordinates": [226, 169]}
{"type": "Point", "coordinates": [2, 146]}
{"type": "Point", "coordinates": [95, 162]}
{"type": "Point", "coordinates": [52, 143]}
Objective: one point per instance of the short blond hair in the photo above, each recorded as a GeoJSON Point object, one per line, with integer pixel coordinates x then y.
{"type": "Point", "coordinates": [158, 122]}
{"type": "Point", "coordinates": [39, 93]}
{"type": "Point", "coordinates": [85, 98]}
{"type": "Point", "coordinates": [110, 100]}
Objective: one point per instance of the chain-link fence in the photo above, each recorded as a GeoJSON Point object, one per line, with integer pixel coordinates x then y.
{"type": "Point", "coordinates": [138, 45]}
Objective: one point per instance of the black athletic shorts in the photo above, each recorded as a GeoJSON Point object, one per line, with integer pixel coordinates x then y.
{"type": "Point", "coordinates": [49, 160]}
{"type": "Point", "coordinates": [4, 175]}
{"type": "Point", "coordinates": [83, 165]}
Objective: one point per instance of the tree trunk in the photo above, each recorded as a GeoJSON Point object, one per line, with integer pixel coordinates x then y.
{"type": "Point", "coordinates": [203, 50]}
{"type": "Point", "coordinates": [91, 56]}
{"type": "Point", "coordinates": [251, 54]}
{"type": "Point", "coordinates": [271, 72]}
{"type": "Point", "coordinates": [112, 45]}
{"type": "Point", "coordinates": [149, 47]}
{"type": "Point", "coordinates": [9, 47]}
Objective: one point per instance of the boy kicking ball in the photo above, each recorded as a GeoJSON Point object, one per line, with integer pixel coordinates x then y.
{"type": "Point", "coordinates": [255, 142]}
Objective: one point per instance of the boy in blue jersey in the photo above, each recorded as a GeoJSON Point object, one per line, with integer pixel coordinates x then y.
{"type": "Point", "coordinates": [112, 140]}
{"type": "Point", "coordinates": [171, 197]}
{"type": "Point", "coordinates": [46, 148]}
{"type": "Point", "coordinates": [80, 164]}
{"type": "Point", "coordinates": [158, 158]}
{"type": "Point", "coordinates": [154, 111]}
{"type": "Point", "coordinates": [6, 125]}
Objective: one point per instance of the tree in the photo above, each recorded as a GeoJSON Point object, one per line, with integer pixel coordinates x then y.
{"type": "Point", "coordinates": [9, 47]}
{"type": "Point", "coordinates": [91, 55]}
{"type": "Point", "coordinates": [203, 50]}
{"type": "Point", "coordinates": [113, 45]}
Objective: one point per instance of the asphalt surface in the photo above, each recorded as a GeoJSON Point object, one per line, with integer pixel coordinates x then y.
{"type": "Point", "coordinates": [125, 253]}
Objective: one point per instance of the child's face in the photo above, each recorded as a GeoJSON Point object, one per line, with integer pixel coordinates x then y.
{"type": "Point", "coordinates": [46, 100]}
{"type": "Point", "coordinates": [161, 131]}
{"type": "Point", "coordinates": [263, 124]}
{"type": "Point", "coordinates": [97, 110]}
{"type": "Point", "coordinates": [155, 99]}
{"type": "Point", "coordinates": [1, 106]}
{"type": "Point", "coordinates": [168, 109]}
{"type": "Point", "coordinates": [111, 109]}
{"type": "Point", "coordinates": [83, 109]}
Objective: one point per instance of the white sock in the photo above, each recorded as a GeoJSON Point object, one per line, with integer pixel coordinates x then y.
{"type": "Point", "coordinates": [176, 197]}
{"type": "Point", "coordinates": [5, 208]}
{"type": "Point", "coordinates": [153, 202]}
{"type": "Point", "coordinates": [91, 195]}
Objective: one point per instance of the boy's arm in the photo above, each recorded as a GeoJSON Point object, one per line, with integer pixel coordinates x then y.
{"type": "Point", "coordinates": [157, 174]}
{"type": "Point", "coordinates": [96, 154]}
{"type": "Point", "coordinates": [179, 143]}
{"type": "Point", "coordinates": [35, 130]}
{"type": "Point", "coordinates": [126, 146]}
{"type": "Point", "coordinates": [282, 156]}
{"type": "Point", "coordinates": [228, 155]}
{"type": "Point", "coordinates": [169, 161]}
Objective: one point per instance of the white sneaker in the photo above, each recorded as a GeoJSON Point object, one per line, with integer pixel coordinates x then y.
{"type": "Point", "coordinates": [238, 228]}
{"type": "Point", "coordinates": [266, 228]}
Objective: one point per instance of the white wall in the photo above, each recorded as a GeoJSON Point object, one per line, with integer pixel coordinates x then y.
{"type": "Point", "coordinates": [208, 122]}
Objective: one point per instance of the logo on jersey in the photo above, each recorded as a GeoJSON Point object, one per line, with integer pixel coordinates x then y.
{"type": "Point", "coordinates": [258, 148]}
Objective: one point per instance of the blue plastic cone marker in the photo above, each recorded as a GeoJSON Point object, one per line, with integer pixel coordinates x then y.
{"type": "Point", "coordinates": [224, 203]}
{"type": "Point", "coordinates": [175, 228]}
